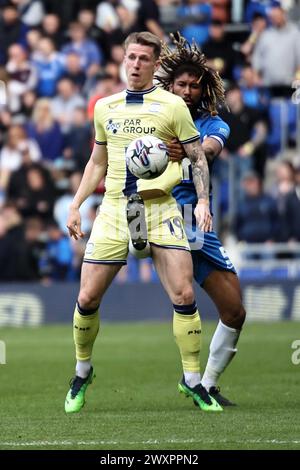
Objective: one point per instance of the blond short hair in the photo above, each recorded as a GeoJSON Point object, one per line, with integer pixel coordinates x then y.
{"type": "Point", "coordinates": [145, 39]}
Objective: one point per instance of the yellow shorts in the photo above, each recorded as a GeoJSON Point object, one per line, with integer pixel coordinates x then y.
{"type": "Point", "coordinates": [109, 239]}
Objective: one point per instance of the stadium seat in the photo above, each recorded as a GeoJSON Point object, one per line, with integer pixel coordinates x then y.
{"type": "Point", "coordinates": [278, 116]}
{"type": "Point", "coordinates": [260, 273]}
{"type": "Point", "coordinates": [283, 124]}
{"type": "Point", "coordinates": [292, 121]}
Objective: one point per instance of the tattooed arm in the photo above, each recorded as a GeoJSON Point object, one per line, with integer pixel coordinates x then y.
{"type": "Point", "coordinates": [211, 147]}
{"type": "Point", "coordinates": [200, 172]}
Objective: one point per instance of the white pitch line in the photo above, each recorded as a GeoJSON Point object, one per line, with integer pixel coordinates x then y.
{"type": "Point", "coordinates": [148, 442]}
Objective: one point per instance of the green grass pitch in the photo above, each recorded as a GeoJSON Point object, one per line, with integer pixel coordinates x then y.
{"type": "Point", "coordinates": [133, 402]}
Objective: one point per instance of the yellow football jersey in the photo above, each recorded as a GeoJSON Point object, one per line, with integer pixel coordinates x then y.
{"type": "Point", "coordinates": [123, 117]}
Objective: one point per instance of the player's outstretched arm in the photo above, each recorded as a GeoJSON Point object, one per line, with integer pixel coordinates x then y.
{"type": "Point", "coordinates": [200, 172]}
{"type": "Point", "coordinates": [94, 171]}
{"type": "Point", "coordinates": [211, 147]}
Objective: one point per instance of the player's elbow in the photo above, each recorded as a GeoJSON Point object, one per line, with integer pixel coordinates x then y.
{"type": "Point", "coordinates": [210, 154]}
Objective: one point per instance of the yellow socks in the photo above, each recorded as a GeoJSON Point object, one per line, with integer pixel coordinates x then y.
{"type": "Point", "coordinates": [187, 333]}
{"type": "Point", "coordinates": [86, 326]}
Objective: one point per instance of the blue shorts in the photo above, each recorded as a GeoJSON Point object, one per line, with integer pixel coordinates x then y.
{"type": "Point", "coordinates": [211, 257]}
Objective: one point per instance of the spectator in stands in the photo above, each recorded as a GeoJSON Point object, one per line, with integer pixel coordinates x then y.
{"type": "Point", "coordinates": [87, 18]}
{"type": "Point", "coordinates": [117, 56]}
{"type": "Point", "coordinates": [90, 53]}
{"type": "Point", "coordinates": [288, 203]}
{"type": "Point", "coordinates": [22, 76]}
{"type": "Point", "coordinates": [107, 18]}
{"type": "Point", "coordinates": [297, 178]}
{"type": "Point", "coordinates": [256, 219]}
{"type": "Point", "coordinates": [127, 11]}
{"type": "Point", "coordinates": [28, 100]}
{"type": "Point", "coordinates": [36, 197]}
{"type": "Point", "coordinates": [254, 95]}
{"type": "Point", "coordinates": [17, 150]}
{"type": "Point", "coordinates": [3, 227]}
{"type": "Point", "coordinates": [49, 67]}
{"type": "Point", "coordinates": [113, 69]}
{"type": "Point", "coordinates": [285, 178]}
{"type": "Point", "coordinates": [78, 140]}
{"type": "Point", "coordinates": [296, 220]}
{"type": "Point", "coordinates": [51, 28]}
{"type": "Point", "coordinates": [219, 51]}
{"type": "Point", "coordinates": [45, 130]}
{"type": "Point", "coordinates": [59, 254]}
{"type": "Point", "coordinates": [65, 103]}
{"type": "Point", "coordinates": [31, 11]}
{"type": "Point", "coordinates": [148, 18]}
{"type": "Point", "coordinates": [246, 143]}
{"type": "Point", "coordinates": [67, 11]}
{"type": "Point", "coordinates": [115, 20]}
{"type": "Point", "coordinates": [12, 30]}
{"type": "Point", "coordinates": [74, 70]}
{"type": "Point", "coordinates": [5, 123]}
{"type": "Point", "coordinates": [168, 17]}
{"type": "Point", "coordinates": [258, 25]}
{"type": "Point", "coordinates": [221, 10]}
{"type": "Point", "coordinates": [259, 7]}
{"type": "Point", "coordinates": [106, 85]}
{"type": "Point", "coordinates": [33, 37]}
{"type": "Point", "coordinates": [195, 17]}
{"type": "Point", "coordinates": [17, 260]}
{"type": "Point", "coordinates": [62, 205]}
{"type": "Point", "coordinates": [35, 236]}
{"type": "Point", "coordinates": [277, 53]}
{"type": "Point", "coordinates": [293, 9]}
{"type": "Point", "coordinates": [18, 182]}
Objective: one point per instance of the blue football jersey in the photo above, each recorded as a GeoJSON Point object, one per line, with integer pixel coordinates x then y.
{"type": "Point", "coordinates": [208, 254]}
{"type": "Point", "coordinates": [208, 126]}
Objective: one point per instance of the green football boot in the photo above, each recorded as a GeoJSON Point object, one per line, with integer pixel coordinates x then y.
{"type": "Point", "coordinates": [200, 396]}
{"type": "Point", "coordinates": [75, 398]}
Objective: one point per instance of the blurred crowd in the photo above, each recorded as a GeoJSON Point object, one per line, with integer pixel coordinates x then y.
{"type": "Point", "coordinates": [58, 58]}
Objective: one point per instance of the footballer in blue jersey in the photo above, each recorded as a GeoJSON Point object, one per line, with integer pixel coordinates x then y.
{"type": "Point", "coordinates": [187, 75]}
{"type": "Point", "coordinates": [209, 127]}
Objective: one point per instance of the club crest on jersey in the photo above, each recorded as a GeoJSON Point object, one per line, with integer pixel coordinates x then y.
{"type": "Point", "coordinates": [224, 131]}
{"type": "Point", "coordinates": [89, 248]}
{"type": "Point", "coordinates": [154, 107]}
{"type": "Point", "coordinates": [113, 126]}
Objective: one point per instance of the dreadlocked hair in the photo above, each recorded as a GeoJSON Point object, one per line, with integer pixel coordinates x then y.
{"type": "Point", "coordinates": [186, 57]}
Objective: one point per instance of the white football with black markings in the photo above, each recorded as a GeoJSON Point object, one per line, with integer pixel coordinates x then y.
{"type": "Point", "coordinates": [147, 157]}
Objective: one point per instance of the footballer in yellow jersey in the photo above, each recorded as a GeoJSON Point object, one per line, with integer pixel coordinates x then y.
{"type": "Point", "coordinates": [119, 119]}
{"type": "Point", "coordinates": [142, 109]}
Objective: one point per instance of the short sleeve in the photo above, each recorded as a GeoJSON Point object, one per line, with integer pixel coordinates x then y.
{"type": "Point", "coordinates": [219, 130]}
{"type": "Point", "coordinates": [100, 134]}
{"type": "Point", "coordinates": [184, 127]}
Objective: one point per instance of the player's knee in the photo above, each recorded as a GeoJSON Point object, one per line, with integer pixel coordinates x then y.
{"type": "Point", "coordinates": [87, 300]}
{"type": "Point", "coordinates": [240, 315]}
{"type": "Point", "coordinates": [235, 316]}
{"type": "Point", "coordinates": [184, 296]}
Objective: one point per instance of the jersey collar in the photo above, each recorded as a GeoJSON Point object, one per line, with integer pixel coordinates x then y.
{"type": "Point", "coordinates": [141, 92]}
